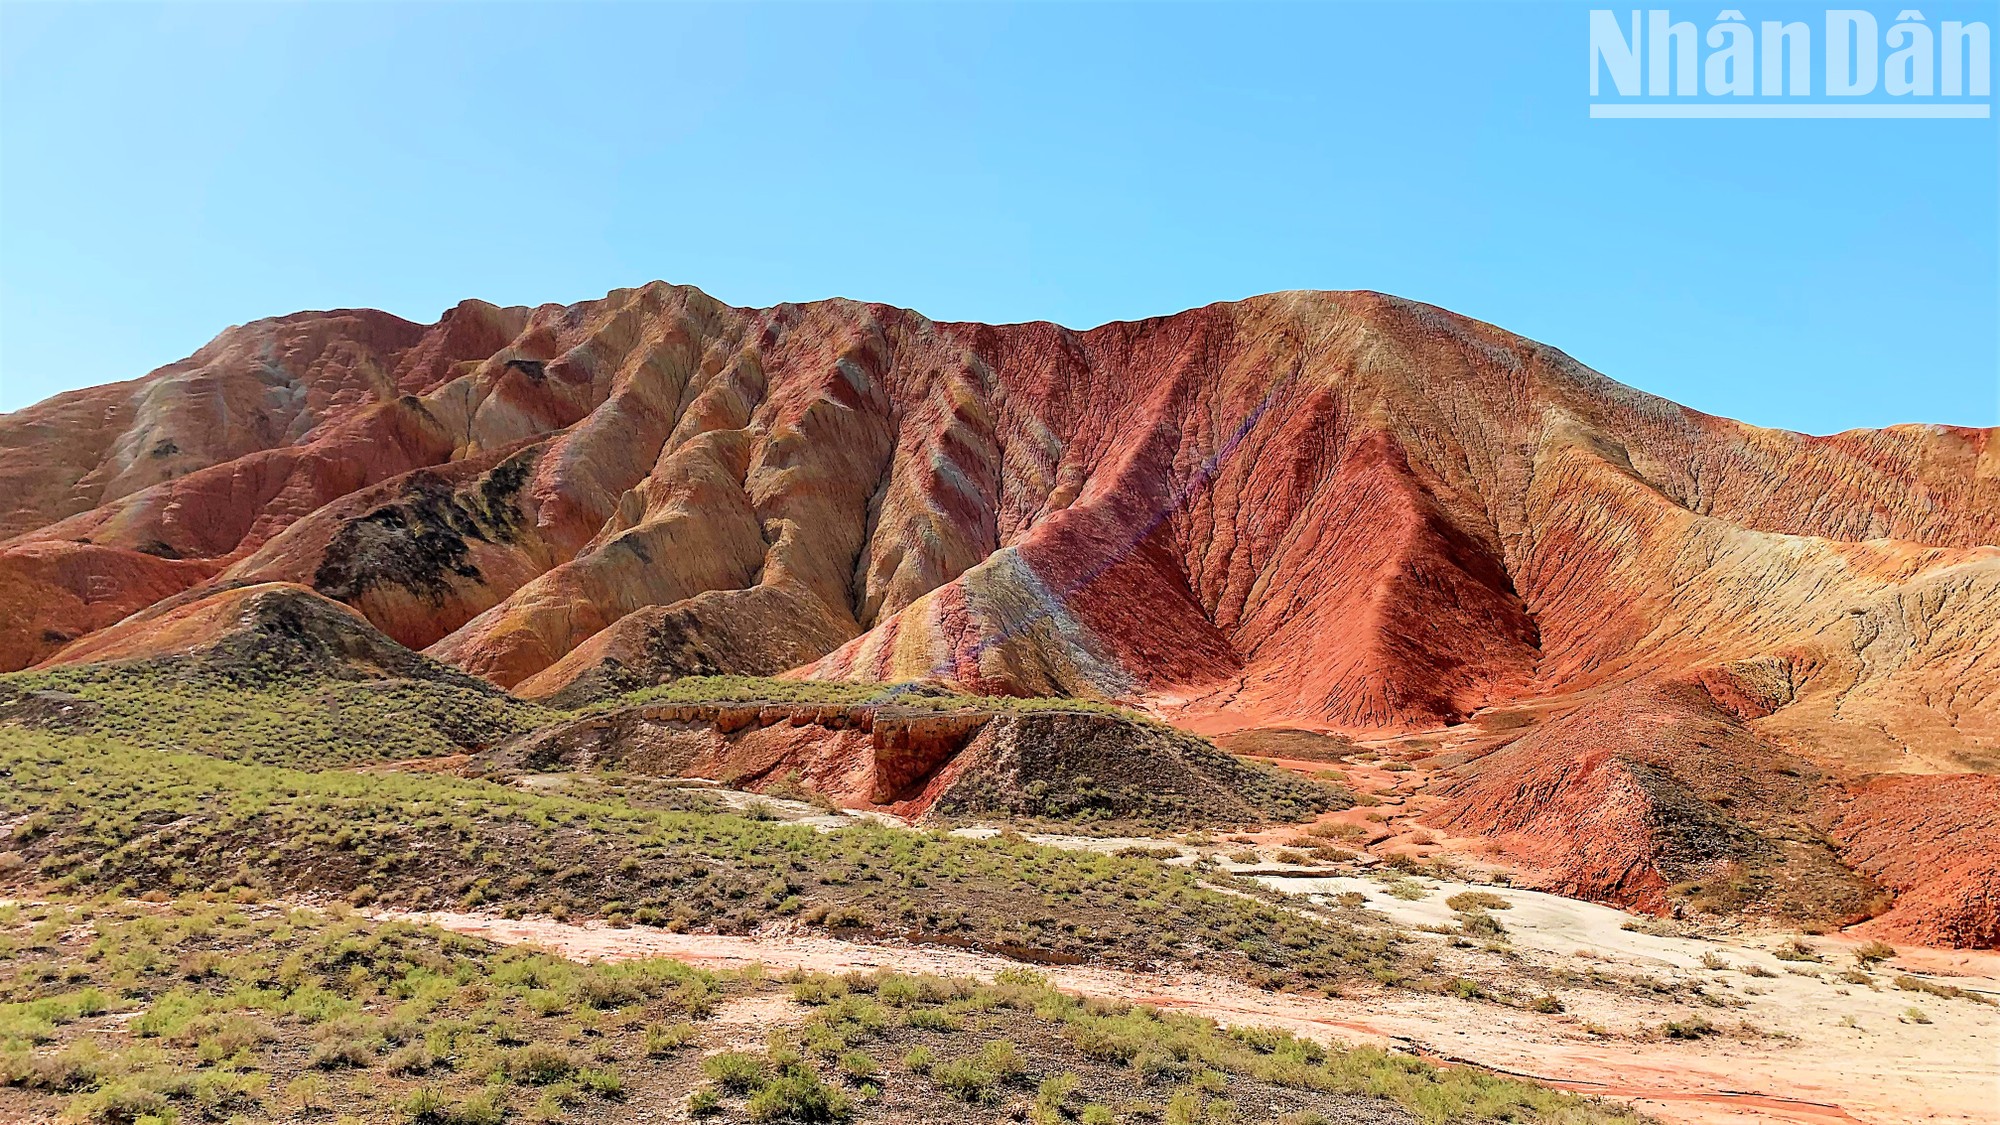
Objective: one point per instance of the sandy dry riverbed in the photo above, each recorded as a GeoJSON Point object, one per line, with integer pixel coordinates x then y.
{"type": "Point", "coordinates": [1811, 1066]}
{"type": "Point", "coordinates": [1799, 1040]}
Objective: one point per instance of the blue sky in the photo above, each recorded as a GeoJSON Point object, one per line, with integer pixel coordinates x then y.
{"type": "Point", "coordinates": [168, 171]}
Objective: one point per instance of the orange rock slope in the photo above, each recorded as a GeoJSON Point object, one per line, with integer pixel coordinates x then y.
{"type": "Point", "coordinates": [1342, 511]}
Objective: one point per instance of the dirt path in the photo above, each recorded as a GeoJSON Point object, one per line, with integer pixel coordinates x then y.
{"type": "Point", "coordinates": [1816, 1081]}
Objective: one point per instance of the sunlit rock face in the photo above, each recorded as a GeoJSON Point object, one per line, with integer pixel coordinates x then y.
{"type": "Point", "coordinates": [1342, 511]}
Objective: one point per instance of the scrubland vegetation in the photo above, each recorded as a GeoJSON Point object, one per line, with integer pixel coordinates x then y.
{"type": "Point", "coordinates": [272, 717]}
{"type": "Point", "coordinates": [190, 846]}
{"type": "Point", "coordinates": [210, 1008]}
{"type": "Point", "coordinates": [91, 814]}
{"type": "Point", "coordinates": [913, 695]}
{"type": "Point", "coordinates": [156, 776]}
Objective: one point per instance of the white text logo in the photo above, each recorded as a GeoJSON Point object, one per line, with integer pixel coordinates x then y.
{"type": "Point", "coordinates": [1850, 64]}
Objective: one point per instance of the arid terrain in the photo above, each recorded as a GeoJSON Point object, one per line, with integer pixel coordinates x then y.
{"type": "Point", "coordinates": [1433, 728]}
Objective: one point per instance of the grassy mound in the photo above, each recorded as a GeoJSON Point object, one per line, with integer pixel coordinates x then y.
{"type": "Point", "coordinates": [93, 814]}
{"type": "Point", "coordinates": [274, 715]}
{"type": "Point", "coordinates": [910, 695]}
{"type": "Point", "coordinates": [1094, 773]}
{"type": "Point", "coordinates": [281, 675]}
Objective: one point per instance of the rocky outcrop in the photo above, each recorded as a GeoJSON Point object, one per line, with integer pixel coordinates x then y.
{"type": "Point", "coordinates": [1085, 766]}
{"type": "Point", "coordinates": [934, 764]}
{"type": "Point", "coordinates": [262, 631]}
{"type": "Point", "coordinates": [1657, 797]}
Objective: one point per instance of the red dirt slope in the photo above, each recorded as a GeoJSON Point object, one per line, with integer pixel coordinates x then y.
{"type": "Point", "coordinates": [1933, 839]}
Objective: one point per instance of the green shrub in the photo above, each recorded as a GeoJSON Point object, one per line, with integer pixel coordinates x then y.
{"type": "Point", "coordinates": [859, 1066]}
{"type": "Point", "coordinates": [481, 1107]}
{"type": "Point", "coordinates": [123, 1102]}
{"type": "Point", "coordinates": [965, 1079]}
{"type": "Point", "coordinates": [665, 1039]}
{"type": "Point", "coordinates": [1478, 923]}
{"type": "Point", "coordinates": [342, 1052]}
{"type": "Point", "coordinates": [604, 1081]}
{"type": "Point", "coordinates": [931, 1019]}
{"type": "Point", "coordinates": [540, 1064]}
{"type": "Point", "coordinates": [308, 1093]}
{"type": "Point", "coordinates": [1000, 1059]}
{"type": "Point", "coordinates": [602, 989]}
{"type": "Point", "coordinates": [425, 1105]}
{"type": "Point", "coordinates": [819, 988]}
{"type": "Point", "coordinates": [1055, 1090]}
{"type": "Point", "coordinates": [412, 1058]}
{"type": "Point", "coordinates": [799, 1096]}
{"type": "Point", "coordinates": [738, 1072]}
{"type": "Point", "coordinates": [898, 991]}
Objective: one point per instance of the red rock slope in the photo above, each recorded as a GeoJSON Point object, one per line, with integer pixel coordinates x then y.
{"type": "Point", "coordinates": [1340, 510]}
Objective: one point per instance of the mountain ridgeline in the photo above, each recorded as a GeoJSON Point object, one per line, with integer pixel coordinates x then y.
{"type": "Point", "coordinates": [1717, 647]}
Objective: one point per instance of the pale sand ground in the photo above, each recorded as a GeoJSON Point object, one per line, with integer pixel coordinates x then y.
{"type": "Point", "coordinates": [1823, 1050]}
{"type": "Point", "coordinates": [1881, 1071]}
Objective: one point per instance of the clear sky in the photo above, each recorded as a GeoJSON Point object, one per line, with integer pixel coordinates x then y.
{"type": "Point", "coordinates": [168, 171]}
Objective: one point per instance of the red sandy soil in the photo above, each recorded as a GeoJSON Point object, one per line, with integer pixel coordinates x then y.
{"type": "Point", "coordinates": [1341, 511]}
{"type": "Point", "coordinates": [1931, 837]}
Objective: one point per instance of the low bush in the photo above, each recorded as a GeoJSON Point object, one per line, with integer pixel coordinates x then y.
{"type": "Point", "coordinates": [1796, 950]}
{"type": "Point", "coordinates": [737, 1072]}
{"type": "Point", "coordinates": [965, 1079]}
{"type": "Point", "coordinates": [800, 1096]}
{"type": "Point", "coordinates": [1874, 952]}
{"type": "Point", "coordinates": [665, 1039]}
{"type": "Point", "coordinates": [541, 1064]}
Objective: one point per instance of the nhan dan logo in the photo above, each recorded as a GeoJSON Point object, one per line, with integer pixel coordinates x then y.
{"type": "Point", "coordinates": [1852, 63]}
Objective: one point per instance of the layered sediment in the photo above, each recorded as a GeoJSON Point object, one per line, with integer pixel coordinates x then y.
{"type": "Point", "coordinates": [1339, 512]}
